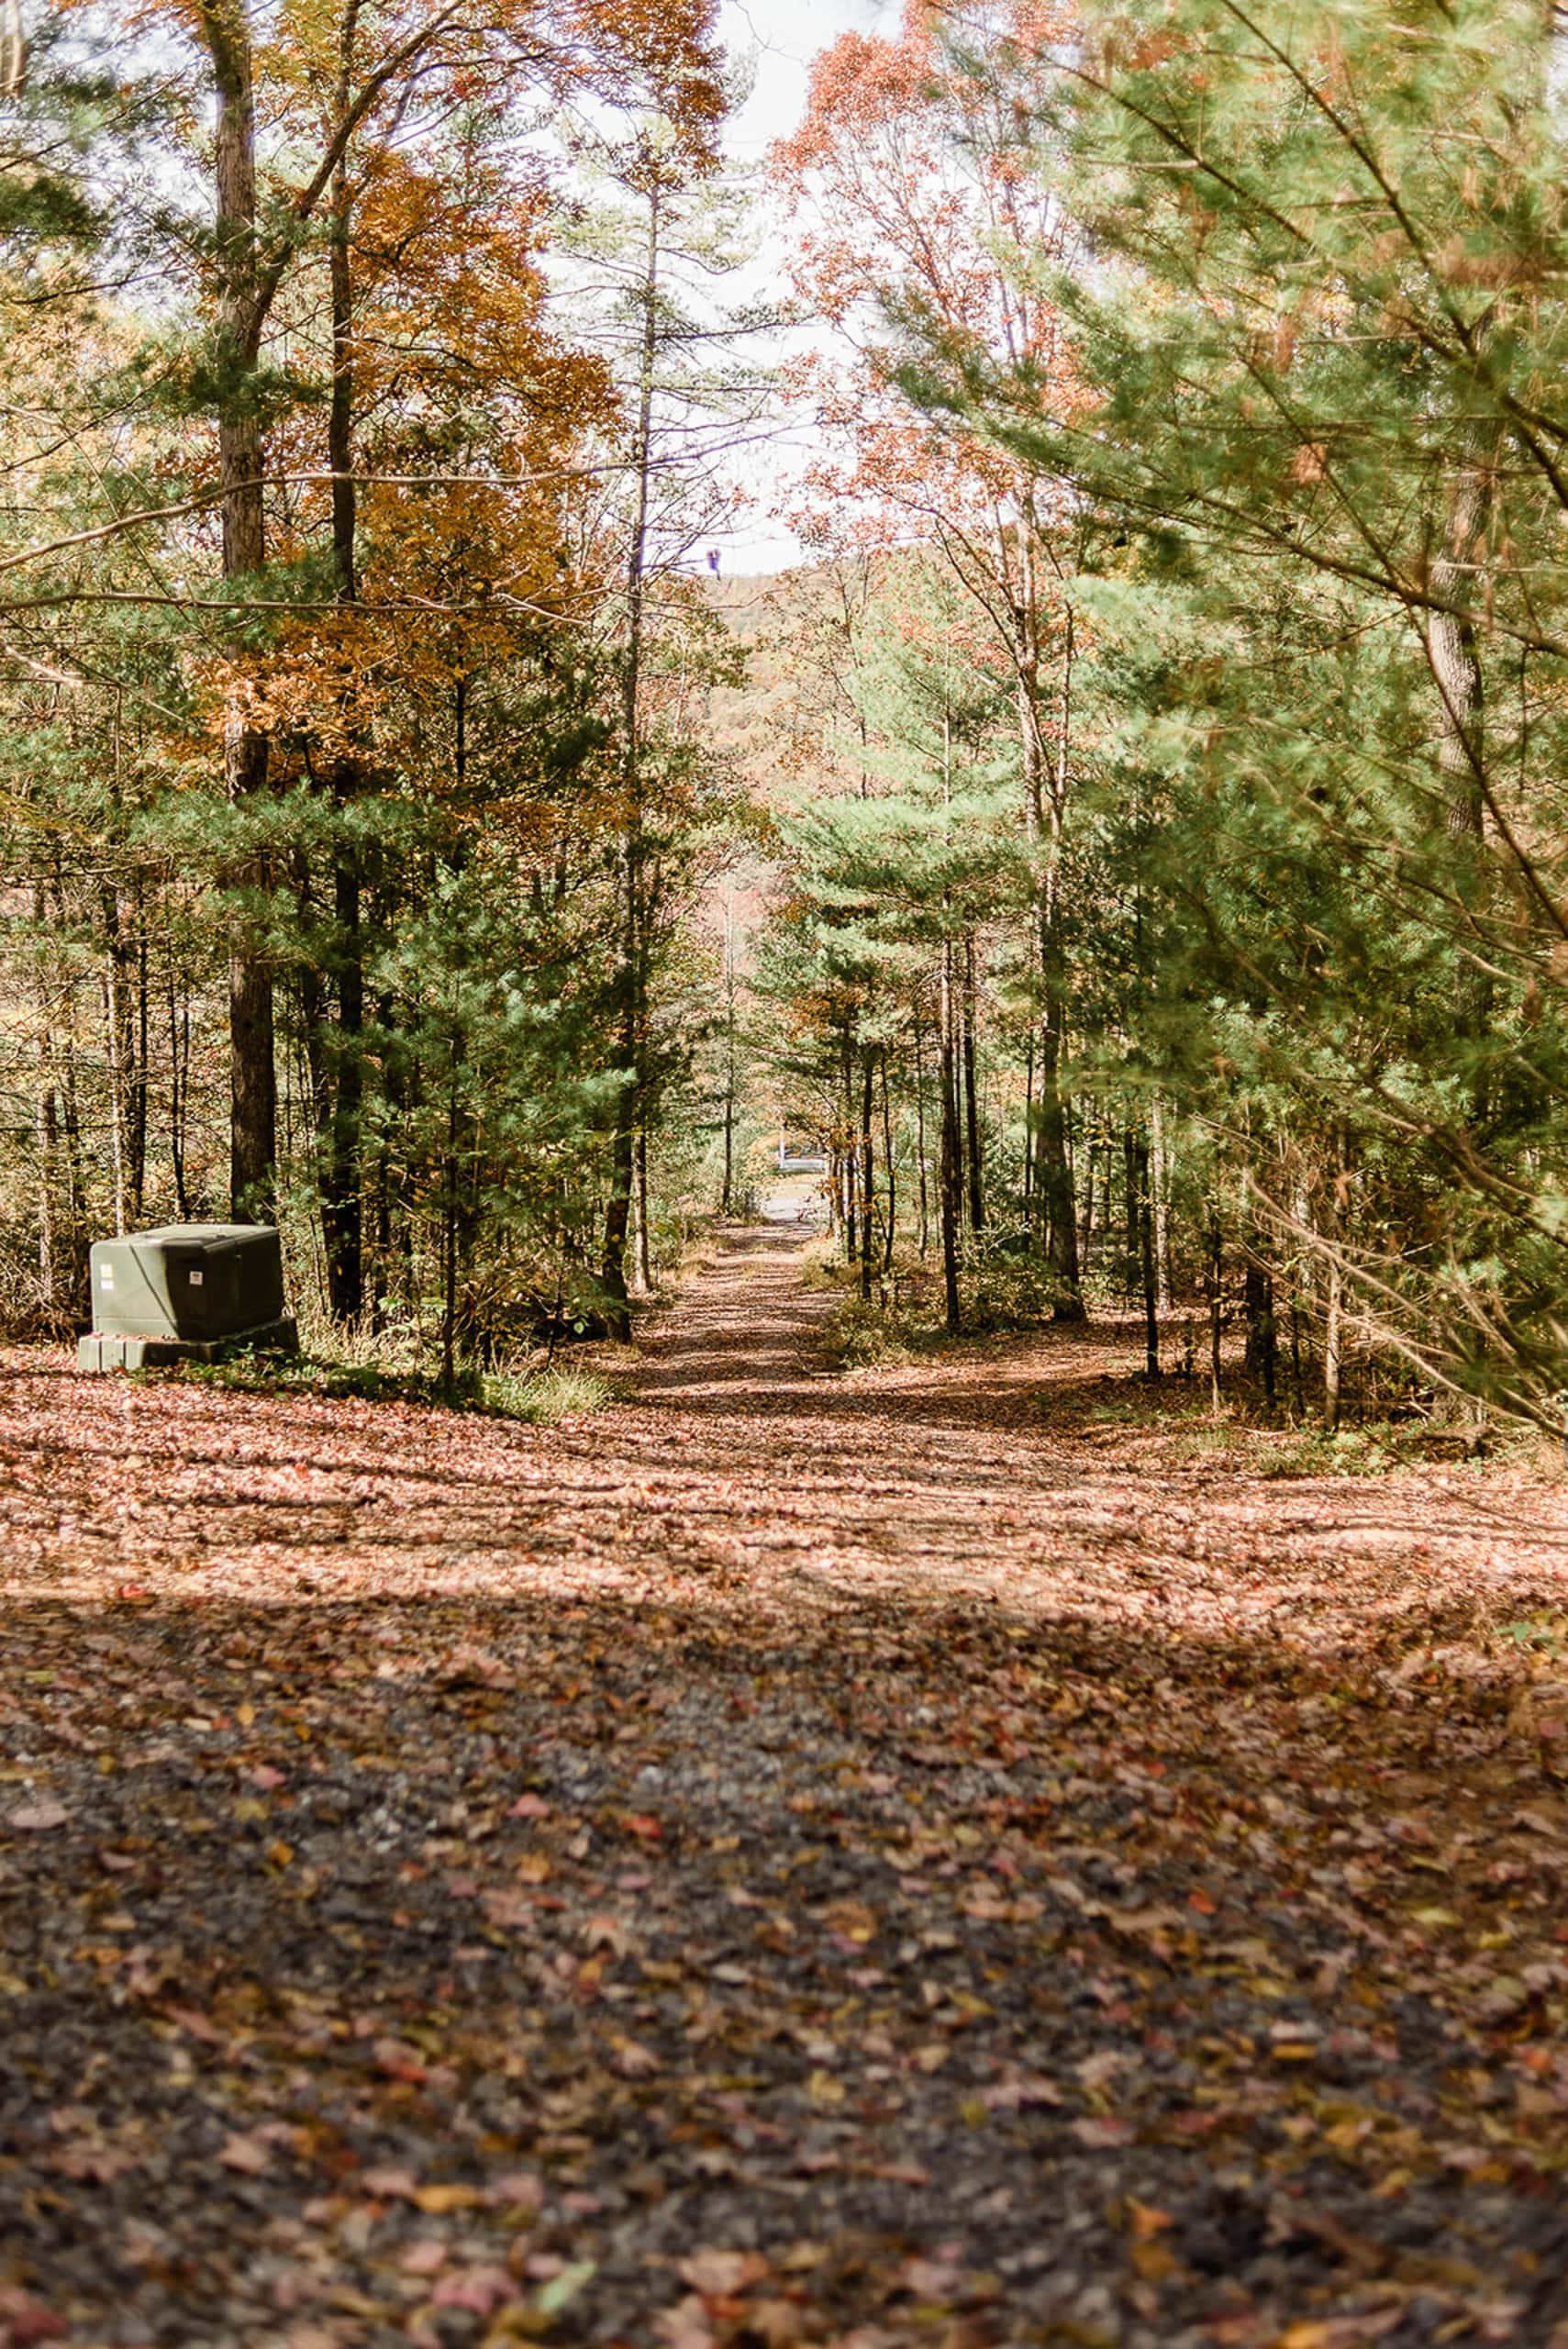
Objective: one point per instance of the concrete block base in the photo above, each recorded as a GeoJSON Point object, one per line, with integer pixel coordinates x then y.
{"type": "Point", "coordinates": [159, 1353]}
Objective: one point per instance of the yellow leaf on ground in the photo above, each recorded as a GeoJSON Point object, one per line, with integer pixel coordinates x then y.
{"type": "Point", "coordinates": [436, 2201]}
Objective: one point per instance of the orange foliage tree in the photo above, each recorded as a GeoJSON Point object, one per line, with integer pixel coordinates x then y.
{"type": "Point", "coordinates": [336, 137]}
{"type": "Point", "coordinates": [921, 220]}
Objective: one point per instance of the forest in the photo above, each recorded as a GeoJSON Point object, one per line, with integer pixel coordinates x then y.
{"type": "Point", "coordinates": [1139, 798]}
{"type": "Point", "coordinates": [821, 748]}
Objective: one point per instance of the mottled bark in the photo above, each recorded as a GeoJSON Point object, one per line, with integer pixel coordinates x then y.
{"type": "Point", "coordinates": [253, 1083]}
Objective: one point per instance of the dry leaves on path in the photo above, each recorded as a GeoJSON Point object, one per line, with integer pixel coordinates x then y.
{"type": "Point", "coordinates": [871, 1861]}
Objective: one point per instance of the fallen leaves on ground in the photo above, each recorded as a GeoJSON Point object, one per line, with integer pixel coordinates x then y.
{"type": "Point", "coordinates": [873, 1861]}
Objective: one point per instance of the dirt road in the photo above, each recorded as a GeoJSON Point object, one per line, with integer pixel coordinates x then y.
{"type": "Point", "coordinates": [918, 1857]}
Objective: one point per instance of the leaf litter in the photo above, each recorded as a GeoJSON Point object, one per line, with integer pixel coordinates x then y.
{"type": "Point", "coordinates": [873, 1860]}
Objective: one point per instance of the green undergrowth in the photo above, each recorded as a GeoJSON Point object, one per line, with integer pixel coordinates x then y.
{"type": "Point", "coordinates": [1372, 1450]}
{"type": "Point", "coordinates": [538, 1398]}
{"type": "Point", "coordinates": [1004, 1291]}
{"type": "Point", "coordinates": [877, 1334]}
{"type": "Point", "coordinates": [1276, 1452]}
{"type": "Point", "coordinates": [864, 1335]}
{"type": "Point", "coordinates": [1543, 1636]}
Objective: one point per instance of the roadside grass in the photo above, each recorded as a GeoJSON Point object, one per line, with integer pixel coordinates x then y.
{"type": "Point", "coordinates": [539, 1397]}
{"type": "Point", "coordinates": [904, 1325]}
{"type": "Point", "coordinates": [862, 1336]}
{"type": "Point", "coordinates": [1278, 1452]}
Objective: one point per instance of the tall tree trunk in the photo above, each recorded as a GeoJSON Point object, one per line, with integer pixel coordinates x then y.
{"type": "Point", "coordinates": [727, 1197]}
{"type": "Point", "coordinates": [45, 1130]}
{"type": "Point", "coordinates": [1455, 664]}
{"type": "Point", "coordinates": [77, 1204]}
{"type": "Point", "coordinates": [1046, 782]}
{"type": "Point", "coordinates": [1334, 1312]}
{"type": "Point", "coordinates": [342, 1208]}
{"type": "Point", "coordinates": [450, 1240]}
{"type": "Point", "coordinates": [1161, 1186]}
{"type": "Point", "coordinates": [868, 1217]}
{"type": "Point", "coordinates": [617, 1212]}
{"type": "Point", "coordinates": [847, 1154]}
{"type": "Point", "coordinates": [1263, 1336]}
{"type": "Point", "coordinates": [1454, 661]}
{"type": "Point", "coordinates": [77, 1201]}
{"type": "Point", "coordinates": [887, 1172]}
{"type": "Point", "coordinates": [116, 1085]}
{"type": "Point", "coordinates": [641, 1257]}
{"type": "Point", "coordinates": [631, 978]}
{"type": "Point", "coordinates": [950, 1173]}
{"type": "Point", "coordinates": [179, 1068]}
{"type": "Point", "coordinates": [1084, 1229]}
{"type": "Point", "coordinates": [342, 1212]}
{"type": "Point", "coordinates": [137, 1040]}
{"type": "Point", "coordinates": [1333, 1346]}
{"type": "Point", "coordinates": [971, 1105]}
{"type": "Point", "coordinates": [1146, 1260]}
{"type": "Point", "coordinates": [920, 1136]}
{"type": "Point", "coordinates": [253, 1104]}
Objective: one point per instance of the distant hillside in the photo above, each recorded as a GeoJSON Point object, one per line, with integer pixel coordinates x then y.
{"type": "Point", "coordinates": [781, 723]}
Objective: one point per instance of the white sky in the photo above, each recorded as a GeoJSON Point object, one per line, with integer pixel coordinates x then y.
{"type": "Point", "coordinates": [787, 35]}
{"type": "Point", "coordinates": [784, 35]}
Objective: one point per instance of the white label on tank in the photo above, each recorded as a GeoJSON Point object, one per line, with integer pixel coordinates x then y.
{"type": "Point", "coordinates": [107, 1276]}
{"type": "Point", "coordinates": [195, 1279]}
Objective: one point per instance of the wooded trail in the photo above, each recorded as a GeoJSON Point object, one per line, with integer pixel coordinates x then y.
{"type": "Point", "coordinates": [891, 1858]}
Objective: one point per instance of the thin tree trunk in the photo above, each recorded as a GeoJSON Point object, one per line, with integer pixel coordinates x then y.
{"type": "Point", "coordinates": [1333, 1329]}
{"type": "Point", "coordinates": [1146, 1260]}
{"type": "Point", "coordinates": [630, 976]}
{"type": "Point", "coordinates": [868, 1220]}
{"type": "Point", "coordinates": [847, 1155]}
{"type": "Point", "coordinates": [920, 1136]}
{"type": "Point", "coordinates": [1160, 1184]}
{"type": "Point", "coordinates": [381, 1282]}
{"type": "Point", "coordinates": [888, 1175]}
{"type": "Point", "coordinates": [253, 1105]}
{"type": "Point", "coordinates": [1455, 664]}
{"type": "Point", "coordinates": [971, 1105]}
{"type": "Point", "coordinates": [137, 1086]}
{"type": "Point", "coordinates": [1455, 660]}
{"type": "Point", "coordinates": [342, 1210]}
{"type": "Point", "coordinates": [1263, 1335]}
{"type": "Point", "coordinates": [950, 1175]}
{"type": "Point", "coordinates": [46, 1126]}
{"type": "Point", "coordinates": [448, 1250]}
{"type": "Point", "coordinates": [70, 1136]}
{"type": "Point", "coordinates": [116, 1093]}
{"type": "Point", "coordinates": [1055, 1171]}
{"type": "Point", "coordinates": [1084, 1233]}
{"type": "Point", "coordinates": [179, 1065]}
{"type": "Point", "coordinates": [642, 1258]}
{"type": "Point", "coordinates": [726, 1198]}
